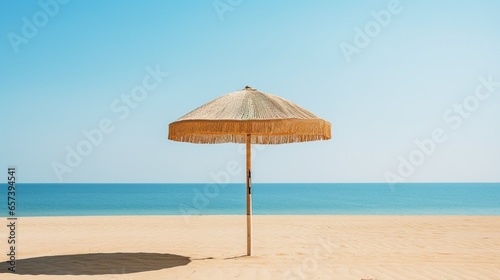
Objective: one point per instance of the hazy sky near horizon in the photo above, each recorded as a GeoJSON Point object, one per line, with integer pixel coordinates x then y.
{"type": "Point", "coordinates": [412, 88]}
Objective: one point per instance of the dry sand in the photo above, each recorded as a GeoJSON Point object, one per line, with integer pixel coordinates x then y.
{"type": "Point", "coordinates": [285, 247]}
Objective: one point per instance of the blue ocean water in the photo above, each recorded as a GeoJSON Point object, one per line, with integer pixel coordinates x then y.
{"type": "Point", "coordinates": [291, 199]}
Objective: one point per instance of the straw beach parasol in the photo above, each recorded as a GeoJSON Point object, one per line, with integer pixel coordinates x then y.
{"type": "Point", "coordinates": [251, 117]}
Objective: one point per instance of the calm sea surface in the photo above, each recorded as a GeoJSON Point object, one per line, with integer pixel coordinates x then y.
{"type": "Point", "coordinates": [292, 199]}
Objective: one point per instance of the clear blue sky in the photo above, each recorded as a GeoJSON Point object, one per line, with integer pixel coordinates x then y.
{"type": "Point", "coordinates": [67, 67]}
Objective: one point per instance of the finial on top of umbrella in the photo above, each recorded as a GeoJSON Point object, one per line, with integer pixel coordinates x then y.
{"type": "Point", "coordinates": [249, 87]}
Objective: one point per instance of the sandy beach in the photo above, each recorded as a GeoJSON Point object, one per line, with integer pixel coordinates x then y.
{"type": "Point", "coordinates": [285, 247]}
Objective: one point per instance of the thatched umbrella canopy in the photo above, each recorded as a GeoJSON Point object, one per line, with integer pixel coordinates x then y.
{"type": "Point", "coordinates": [252, 117]}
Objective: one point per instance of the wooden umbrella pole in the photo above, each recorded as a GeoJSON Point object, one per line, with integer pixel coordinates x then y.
{"type": "Point", "coordinates": [249, 197]}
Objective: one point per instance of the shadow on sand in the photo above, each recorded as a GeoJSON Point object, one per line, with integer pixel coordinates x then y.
{"type": "Point", "coordinates": [96, 264]}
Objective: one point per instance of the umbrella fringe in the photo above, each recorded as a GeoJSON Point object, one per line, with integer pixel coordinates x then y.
{"type": "Point", "coordinates": [261, 131]}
